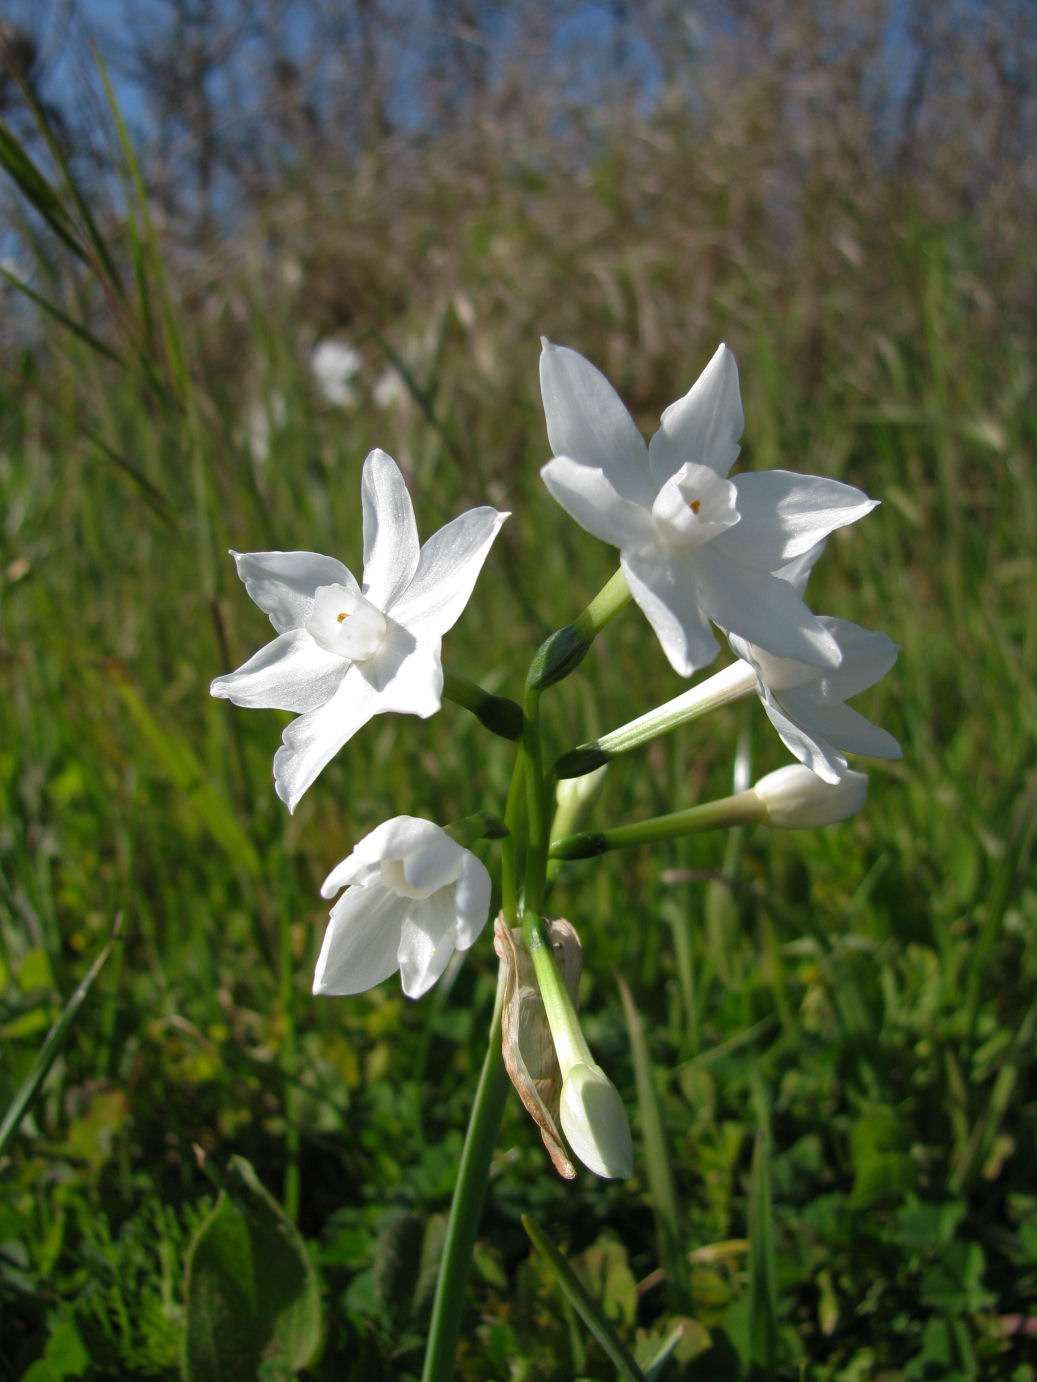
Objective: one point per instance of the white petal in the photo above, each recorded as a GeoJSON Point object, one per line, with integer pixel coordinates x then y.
{"type": "Point", "coordinates": [704, 426]}
{"type": "Point", "coordinates": [797, 571]}
{"type": "Point", "coordinates": [351, 870]}
{"type": "Point", "coordinates": [808, 745]}
{"type": "Point", "coordinates": [664, 588]}
{"type": "Point", "coordinates": [283, 583]}
{"type": "Point", "coordinates": [785, 515]}
{"type": "Point", "coordinates": [361, 941]}
{"type": "Point", "coordinates": [392, 839]}
{"type": "Point", "coordinates": [842, 726]}
{"type": "Point", "coordinates": [406, 674]}
{"type": "Point", "coordinates": [587, 421]}
{"type": "Point", "coordinates": [291, 672]}
{"type": "Point", "coordinates": [867, 657]}
{"type": "Point", "coordinates": [471, 900]}
{"type": "Point", "coordinates": [761, 608]}
{"type": "Point", "coordinates": [446, 573]}
{"type": "Point", "coordinates": [312, 740]}
{"type": "Point", "coordinates": [432, 863]}
{"type": "Point", "coordinates": [589, 496]}
{"type": "Point", "coordinates": [426, 942]}
{"type": "Point", "coordinates": [390, 532]}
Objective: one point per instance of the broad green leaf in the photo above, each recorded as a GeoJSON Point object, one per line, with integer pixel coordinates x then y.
{"type": "Point", "coordinates": [252, 1299]}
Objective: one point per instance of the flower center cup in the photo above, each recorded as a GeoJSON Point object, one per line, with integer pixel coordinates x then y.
{"type": "Point", "coordinates": [343, 622]}
{"type": "Point", "coordinates": [694, 505]}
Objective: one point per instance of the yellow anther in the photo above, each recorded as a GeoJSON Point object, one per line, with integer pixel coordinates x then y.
{"type": "Point", "coordinates": [340, 617]}
{"type": "Point", "coordinates": [695, 505]}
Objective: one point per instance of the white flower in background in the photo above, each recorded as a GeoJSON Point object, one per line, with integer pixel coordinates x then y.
{"type": "Point", "coordinates": [694, 545]}
{"type": "Point", "coordinates": [344, 653]}
{"type": "Point", "coordinates": [413, 896]}
{"type": "Point", "coordinates": [806, 705]}
{"type": "Point", "coordinates": [334, 364]}
{"type": "Point", "coordinates": [794, 798]}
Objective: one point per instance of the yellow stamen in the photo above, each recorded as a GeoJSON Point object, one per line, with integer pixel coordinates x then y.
{"type": "Point", "coordinates": [695, 505]}
{"type": "Point", "coordinates": [341, 617]}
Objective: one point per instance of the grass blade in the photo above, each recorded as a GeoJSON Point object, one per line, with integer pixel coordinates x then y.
{"type": "Point", "coordinates": [54, 1044]}
{"type": "Point", "coordinates": [582, 1303]}
{"type": "Point", "coordinates": [763, 1265]}
{"type": "Point", "coordinates": [665, 1205]}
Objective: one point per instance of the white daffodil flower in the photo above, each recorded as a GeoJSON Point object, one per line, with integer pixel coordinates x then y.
{"type": "Point", "coordinates": [694, 546]}
{"type": "Point", "coordinates": [806, 705]}
{"type": "Point", "coordinates": [345, 652]}
{"type": "Point", "coordinates": [413, 896]}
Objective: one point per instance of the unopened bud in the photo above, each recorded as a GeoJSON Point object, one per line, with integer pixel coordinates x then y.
{"type": "Point", "coordinates": [595, 1122]}
{"type": "Point", "coordinates": [794, 798]}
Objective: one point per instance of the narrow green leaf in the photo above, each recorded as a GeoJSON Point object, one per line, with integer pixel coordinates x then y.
{"type": "Point", "coordinates": [665, 1205]}
{"type": "Point", "coordinates": [173, 754]}
{"type": "Point", "coordinates": [582, 1303]}
{"type": "Point", "coordinates": [763, 1265]}
{"type": "Point", "coordinates": [54, 1044]}
{"type": "Point", "coordinates": [94, 342]}
{"type": "Point", "coordinates": [37, 191]}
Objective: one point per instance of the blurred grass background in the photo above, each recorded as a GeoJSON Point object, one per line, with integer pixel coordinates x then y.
{"type": "Point", "coordinates": [843, 193]}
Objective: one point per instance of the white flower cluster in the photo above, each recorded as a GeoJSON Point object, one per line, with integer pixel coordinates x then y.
{"type": "Point", "coordinates": [698, 550]}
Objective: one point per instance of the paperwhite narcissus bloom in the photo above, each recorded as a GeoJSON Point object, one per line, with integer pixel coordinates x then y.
{"type": "Point", "coordinates": [806, 705]}
{"type": "Point", "coordinates": [794, 798]}
{"type": "Point", "coordinates": [345, 653]}
{"type": "Point", "coordinates": [413, 896]}
{"type": "Point", "coordinates": [694, 545]}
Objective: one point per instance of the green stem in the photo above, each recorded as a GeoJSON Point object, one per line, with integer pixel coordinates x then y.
{"type": "Point", "coordinates": [741, 809]}
{"type": "Point", "coordinates": [509, 854]}
{"type": "Point", "coordinates": [499, 714]}
{"type": "Point", "coordinates": [538, 831]}
{"type": "Point", "coordinates": [288, 1067]}
{"type": "Point", "coordinates": [472, 1176]}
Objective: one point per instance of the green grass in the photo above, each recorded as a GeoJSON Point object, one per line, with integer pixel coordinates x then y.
{"type": "Point", "coordinates": [833, 1041]}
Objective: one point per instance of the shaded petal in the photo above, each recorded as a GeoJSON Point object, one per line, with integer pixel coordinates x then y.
{"type": "Point", "coordinates": [842, 725]}
{"type": "Point", "coordinates": [704, 426]}
{"type": "Point", "coordinates": [867, 657]}
{"type": "Point", "coordinates": [390, 532]}
{"type": "Point", "coordinates": [351, 870]}
{"type": "Point", "coordinates": [406, 675]}
{"type": "Point", "coordinates": [761, 608]}
{"type": "Point", "coordinates": [361, 941]}
{"type": "Point", "coordinates": [587, 421]}
{"type": "Point", "coordinates": [785, 515]}
{"type": "Point", "coordinates": [312, 740]}
{"type": "Point", "coordinates": [426, 942]}
{"type": "Point", "coordinates": [664, 588]}
{"type": "Point", "coordinates": [797, 571]}
{"type": "Point", "coordinates": [589, 496]}
{"type": "Point", "coordinates": [446, 573]}
{"type": "Point", "coordinates": [291, 672]}
{"type": "Point", "coordinates": [283, 584]}
{"type": "Point", "coordinates": [809, 746]}
{"type": "Point", "coordinates": [471, 900]}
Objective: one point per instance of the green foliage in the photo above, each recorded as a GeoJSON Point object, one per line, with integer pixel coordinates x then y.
{"type": "Point", "coordinates": [868, 988]}
{"type": "Point", "coordinates": [252, 1301]}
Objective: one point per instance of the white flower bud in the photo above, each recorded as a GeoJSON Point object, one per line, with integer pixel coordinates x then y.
{"type": "Point", "coordinates": [794, 798]}
{"type": "Point", "coordinates": [595, 1122]}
